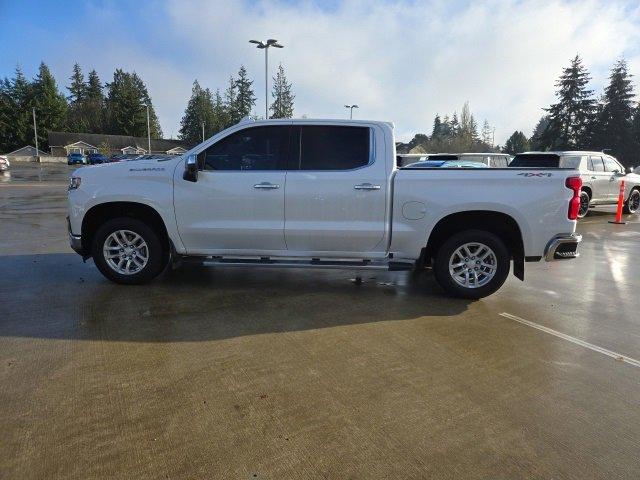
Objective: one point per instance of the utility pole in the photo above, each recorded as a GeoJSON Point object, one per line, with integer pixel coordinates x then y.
{"type": "Point", "coordinates": [493, 138]}
{"type": "Point", "coordinates": [272, 42]}
{"type": "Point", "coordinates": [203, 131]}
{"type": "Point", "coordinates": [35, 130]}
{"type": "Point", "coordinates": [351, 107]}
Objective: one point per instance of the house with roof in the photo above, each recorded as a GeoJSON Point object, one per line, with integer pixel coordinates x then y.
{"type": "Point", "coordinates": [64, 143]}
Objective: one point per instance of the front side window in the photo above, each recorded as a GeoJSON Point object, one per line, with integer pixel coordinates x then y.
{"type": "Point", "coordinates": [596, 164]}
{"type": "Point", "coordinates": [257, 148]}
{"type": "Point", "coordinates": [328, 147]}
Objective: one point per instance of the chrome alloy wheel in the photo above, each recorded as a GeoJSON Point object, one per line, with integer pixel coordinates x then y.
{"type": "Point", "coordinates": [125, 252]}
{"type": "Point", "coordinates": [634, 201]}
{"type": "Point", "coordinates": [473, 265]}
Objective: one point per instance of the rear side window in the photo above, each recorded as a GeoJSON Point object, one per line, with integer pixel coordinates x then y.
{"type": "Point", "coordinates": [327, 147]}
{"type": "Point", "coordinates": [596, 164]}
{"type": "Point", "coordinates": [611, 165]}
{"type": "Point", "coordinates": [256, 148]}
{"type": "Point", "coordinates": [541, 160]}
{"type": "Point", "coordinates": [572, 161]}
{"type": "Point", "coordinates": [500, 162]}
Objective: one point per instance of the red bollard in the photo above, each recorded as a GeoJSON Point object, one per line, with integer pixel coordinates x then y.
{"type": "Point", "coordinates": [618, 220]}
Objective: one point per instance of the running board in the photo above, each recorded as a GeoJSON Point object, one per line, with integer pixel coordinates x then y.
{"type": "Point", "coordinates": [267, 262]}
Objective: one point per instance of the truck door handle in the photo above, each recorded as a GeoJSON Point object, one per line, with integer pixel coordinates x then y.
{"type": "Point", "coordinates": [366, 186]}
{"type": "Point", "coordinates": [594, 178]}
{"type": "Point", "coordinates": [266, 185]}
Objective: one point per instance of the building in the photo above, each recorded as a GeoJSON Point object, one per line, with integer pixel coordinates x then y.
{"type": "Point", "coordinates": [64, 143]}
{"type": "Point", "coordinates": [26, 151]}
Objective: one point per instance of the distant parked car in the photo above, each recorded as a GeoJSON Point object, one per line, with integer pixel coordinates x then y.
{"type": "Point", "coordinates": [155, 156]}
{"type": "Point", "coordinates": [4, 163]}
{"type": "Point", "coordinates": [123, 157]}
{"type": "Point", "coordinates": [96, 158]}
{"type": "Point", "coordinates": [76, 158]}
{"type": "Point", "coordinates": [601, 175]}
{"type": "Point", "coordinates": [447, 164]}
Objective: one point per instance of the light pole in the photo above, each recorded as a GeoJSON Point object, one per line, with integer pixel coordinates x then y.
{"type": "Point", "coordinates": [351, 107]}
{"type": "Point", "coordinates": [148, 128]}
{"type": "Point", "coordinates": [272, 42]}
{"type": "Point", "coordinates": [35, 130]}
{"type": "Point", "coordinates": [203, 131]}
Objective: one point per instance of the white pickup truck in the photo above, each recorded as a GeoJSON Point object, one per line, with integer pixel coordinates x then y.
{"type": "Point", "coordinates": [320, 194]}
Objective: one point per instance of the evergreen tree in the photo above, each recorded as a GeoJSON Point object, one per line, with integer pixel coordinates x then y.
{"type": "Point", "coordinates": [199, 111]}
{"type": "Point", "coordinates": [473, 129]}
{"type": "Point", "coordinates": [230, 103]}
{"type": "Point", "coordinates": [570, 117]}
{"type": "Point", "coordinates": [94, 106]}
{"type": "Point", "coordinates": [16, 128]}
{"type": "Point", "coordinates": [536, 140]}
{"type": "Point", "coordinates": [126, 114]}
{"type": "Point", "coordinates": [220, 114]}
{"type": "Point", "coordinates": [516, 143]}
{"type": "Point", "coordinates": [436, 131]}
{"type": "Point", "coordinates": [454, 129]}
{"type": "Point", "coordinates": [614, 129]}
{"type": "Point", "coordinates": [282, 106]}
{"type": "Point", "coordinates": [487, 133]}
{"type": "Point", "coordinates": [50, 105]}
{"type": "Point", "coordinates": [77, 121]}
{"type": "Point", "coordinates": [245, 99]}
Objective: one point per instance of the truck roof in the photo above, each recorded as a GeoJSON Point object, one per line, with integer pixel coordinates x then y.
{"type": "Point", "coordinates": [333, 121]}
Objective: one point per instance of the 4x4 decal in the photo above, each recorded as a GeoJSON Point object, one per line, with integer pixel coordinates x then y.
{"type": "Point", "coordinates": [535, 174]}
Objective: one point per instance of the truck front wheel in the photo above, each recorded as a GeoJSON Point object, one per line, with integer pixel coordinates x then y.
{"type": "Point", "coordinates": [128, 251]}
{"type": "Point", "coordinates": [472, 264]}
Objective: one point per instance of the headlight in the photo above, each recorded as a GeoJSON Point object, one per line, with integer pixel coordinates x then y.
{"type": "Point", "coordinates": [74, 182]}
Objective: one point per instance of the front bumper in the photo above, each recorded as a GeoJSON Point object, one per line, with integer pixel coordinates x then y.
{"type": "Point", "coordinates": [563, 247]}
{"type": "Point", "coordinates": [75, 240]}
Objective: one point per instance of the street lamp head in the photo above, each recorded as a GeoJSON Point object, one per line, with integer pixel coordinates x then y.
{"type": "Point", "coordinates": [355, 106]}
{"type": "Point", "coordinates": [277, 45]}
{"type": "Point", "coordinates": [258, 44]}
{"type": "Point", "coordinates": [272, 41]}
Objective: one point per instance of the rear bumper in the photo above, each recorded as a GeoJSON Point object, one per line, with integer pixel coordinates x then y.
{"type": "Point", "coordinates": [563, 247]}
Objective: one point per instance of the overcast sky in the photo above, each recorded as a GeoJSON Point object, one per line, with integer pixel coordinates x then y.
{"type": "Point", "coordinates": [401, 61]}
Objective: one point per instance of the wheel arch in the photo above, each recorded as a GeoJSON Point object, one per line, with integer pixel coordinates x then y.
{"type": "Point", "coordinates": [498, 223]}
{"type": "Point", "coordinates": [103, 212]}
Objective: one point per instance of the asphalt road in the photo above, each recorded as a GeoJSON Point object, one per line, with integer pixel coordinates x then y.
{"type": "Point", "coordinates": [292, 374]}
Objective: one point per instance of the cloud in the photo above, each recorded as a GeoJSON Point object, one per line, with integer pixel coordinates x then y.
{"type": "Point", "coordinates": [400, 61]}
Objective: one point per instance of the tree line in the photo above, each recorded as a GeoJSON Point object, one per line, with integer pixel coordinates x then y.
{"type": "Point", "coordinates": [208, 113]}
{"type": "Point", "coordinates": [580, 121]}
{"type": "Point", "coordinates": [453, 134]}
{"type": "Point", "coordinates": [117, 107]}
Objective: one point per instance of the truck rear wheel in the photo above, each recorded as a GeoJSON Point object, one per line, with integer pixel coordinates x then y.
{"type": "Point", "coordinates": [472, 264]}
{"type": "Point", "coordinates": [128, 251]}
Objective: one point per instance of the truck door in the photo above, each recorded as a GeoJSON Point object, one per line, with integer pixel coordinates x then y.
{"type": "Point", "coordinates": [336, 191]}
{"type": "Point", "coordinates": [238, 201]}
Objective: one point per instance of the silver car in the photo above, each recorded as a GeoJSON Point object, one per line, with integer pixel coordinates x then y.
{"type": "Point", "coordinates": [601, 176]}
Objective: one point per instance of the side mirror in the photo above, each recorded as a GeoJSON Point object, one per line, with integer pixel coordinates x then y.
{"type": "Point", "coordinates": [191, 169]}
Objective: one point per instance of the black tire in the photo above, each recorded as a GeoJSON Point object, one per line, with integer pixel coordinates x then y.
{"type": "Point", "coordinates": [445, 252]}
{"type": "Point", "coordinates": [157, 257]}
{"type": "Point", "coordinates": [632, 205]}
{"type": "Point", "coordinates": [585, 199]}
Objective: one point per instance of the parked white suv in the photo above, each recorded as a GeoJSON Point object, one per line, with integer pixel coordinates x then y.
{"type": "Point", "coordinates": [601, 175]}
{"type": "Point", "coordinates": [491, 160]}
{"type": "Point", "coordinates": [320, 194]}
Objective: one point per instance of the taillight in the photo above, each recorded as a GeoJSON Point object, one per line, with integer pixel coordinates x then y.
{"type": "Point", "coordinates": [575, 184]}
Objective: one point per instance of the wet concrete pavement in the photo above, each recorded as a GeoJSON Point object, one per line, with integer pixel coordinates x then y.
{"type": "Point", "coordinates": [229, 373]}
